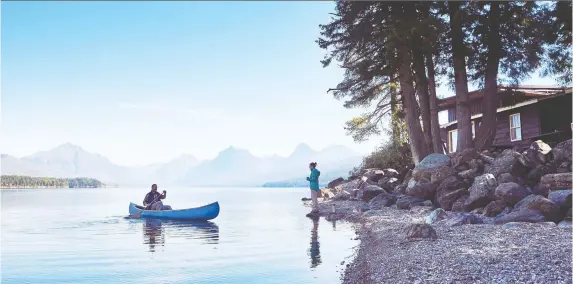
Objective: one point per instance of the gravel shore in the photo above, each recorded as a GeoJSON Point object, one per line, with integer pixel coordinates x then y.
{"type": "Point", "coordinates": [527, 253]}
{"type": "Point", "coordinates": [521, 253]}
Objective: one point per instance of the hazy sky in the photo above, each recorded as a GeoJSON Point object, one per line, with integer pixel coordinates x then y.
{"type": "Point", "coordinates": [143, 82]}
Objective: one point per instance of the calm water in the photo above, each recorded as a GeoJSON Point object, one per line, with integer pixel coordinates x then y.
{"type": "Point", "coordinates": [82, 236]}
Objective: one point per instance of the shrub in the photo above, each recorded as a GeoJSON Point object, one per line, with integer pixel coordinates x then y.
{"type": "Point", "coordinates": [387, 155]}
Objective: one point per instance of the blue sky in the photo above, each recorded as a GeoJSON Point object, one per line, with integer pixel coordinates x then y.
{"type": "Point", "coordinates": [143, 82]}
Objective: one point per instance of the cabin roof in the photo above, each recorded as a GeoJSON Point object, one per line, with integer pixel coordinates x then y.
{"type": "Point", "coordinates": [530, 91]}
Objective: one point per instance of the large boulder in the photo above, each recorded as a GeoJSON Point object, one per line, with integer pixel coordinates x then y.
{"type": "Point", "coordinates": [562, 152]}
{"type": "Point", "coordinates": [554, 182]}
{"type": "Point", "coordinates": [494, 208]}
{"type": "Point", "coordinates": [534, 175]}
{"type": "Point", "coordinates": [561, 198]}
{"type": "Point", "coordinates": [400, 189]}
{"type": "Point", "coordinates": [529, 159]}
{"type": "Point", "coordinates": [538, 203]}
{"type": "Point", "coordinates": [442, 173]}
{"type": "Point", "coordinates": [462, 168]}
{"type": "Point", "coordinates": [341, 196]}
{"type": "Point", "coordinates": [388, 183]}
{"type": "Point", "coordinates": [506, 162]}
{"type": "Point", "coordinates": [511, 192]}
{"type": "Point", "coordinates": [476, 164]}
{"type": "Point", "coordinates": [447, 186]}
{"type": "Point", "coordinates": [463, 157]}
{"type": "Point", "coordinates": [506, 177]}
{"type": "Point", "coordinates": [447, 200]}
{"type": "Point", "coordinates": [374, 175]}
{"type": "Point", "coordinates": [326, 193]}
{"type": "Point", "coordinates": [477, 211]}
{"type": "Point", "coordinates": [335, 183]}
{"type": "Point", "coordinates": [428, 165]}
{"type": "Point", "coordinates": [363, 182]}
{"type": "Point", "coordinates": [482, 192]}
{"type": "Point", "coordinates": [421, 231]}
{"type": "Point", "coordinates": [488, 159]}
{"type": "Point", "coordinates": [564, 167]}
{"type": "Point", "coordinates": [391, 173]}
{"type": "Point", "coordinates": [469, 174]}
{"type": "Point", "coordinates": [459, 205]}
{"type": "Point", "coordinates": [541, 150]}
{"type": "Point", "coordinates": [382, 200]}
{"type": "Point", "coordinates": [527, 215]}
{"type": "Point", "coordinates": [407, 202]}
{"type": "Point", "coordinates": [540, 147]}
{"type": "Point", "coordinates": [424, 190]}
{"type": "Point", "coordinates": [371, 191]}
{"type": "Point", "coordinates": [347, 186]}
{"type": "Point", "coordinates": [451, 183]}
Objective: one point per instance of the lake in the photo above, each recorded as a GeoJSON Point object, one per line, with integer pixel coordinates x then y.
{"type": "Point", "coordinates": [83, 236]}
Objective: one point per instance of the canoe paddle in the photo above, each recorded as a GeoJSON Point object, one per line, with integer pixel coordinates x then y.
{"type": "Point", "coordinates": [138, 214]}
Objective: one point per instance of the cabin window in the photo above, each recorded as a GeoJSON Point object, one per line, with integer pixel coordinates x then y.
{"type": "Point", "coordinates": [451, 114]}
{"type": "Point", "coordinates": [474, 125]}
{"type": "Point", "coordinates": [515, 127]}
{"type": "Point", "coordinates": [452, 140]}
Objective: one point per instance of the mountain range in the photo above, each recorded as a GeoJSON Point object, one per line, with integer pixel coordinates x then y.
{"type": "Point", "coordinates": [231, 167]}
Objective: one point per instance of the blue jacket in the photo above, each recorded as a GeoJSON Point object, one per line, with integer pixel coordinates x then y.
{"type": "Point", "coordinates": [313, 179]}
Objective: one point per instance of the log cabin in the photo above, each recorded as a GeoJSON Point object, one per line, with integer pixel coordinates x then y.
{"type": "Point", "coordinates": [525, 114]}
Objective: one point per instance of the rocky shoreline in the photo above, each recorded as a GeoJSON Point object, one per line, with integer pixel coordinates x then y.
{"type": "Point", "coordinates": [469, 217]}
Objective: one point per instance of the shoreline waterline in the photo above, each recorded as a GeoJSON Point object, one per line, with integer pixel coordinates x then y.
{"type": "Point", "coordinates": [517, 253]}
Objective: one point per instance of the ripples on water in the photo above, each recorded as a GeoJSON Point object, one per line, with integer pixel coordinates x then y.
{"type": "Point", "coordinates": [84, 236]}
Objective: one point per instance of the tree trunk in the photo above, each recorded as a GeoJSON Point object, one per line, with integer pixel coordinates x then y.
{"type": "Point", "coordinates": [485, 133]}
{"type": "Point", "coordinates": [463, 112]}
{"type": "Point", "coordinates": [422, 88]}
{"type": "Point", "coordinates": [394, 113]}
{"type": "Point", "coordinates": [418, 145]}
{"type": "Point", "coordinates": [434, 121]}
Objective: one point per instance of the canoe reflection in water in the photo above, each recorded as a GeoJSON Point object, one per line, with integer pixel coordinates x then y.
{"type": "Point", "coordinates": [155, 230]}
{"type": "Point", "coordinates": [314, 250]}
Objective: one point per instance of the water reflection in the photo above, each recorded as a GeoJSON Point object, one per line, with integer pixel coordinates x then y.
{"type": "Point", "coordinates": [154, 231]}
{"type": "Point", "coordinates": [314, 250]}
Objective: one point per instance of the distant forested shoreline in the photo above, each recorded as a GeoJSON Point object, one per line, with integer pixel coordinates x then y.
{"type": "Point", "coordinates": [17, 181]}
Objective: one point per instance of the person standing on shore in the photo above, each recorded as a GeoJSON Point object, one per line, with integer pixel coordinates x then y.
{"type": "Point", "coordinates": [314, 188]}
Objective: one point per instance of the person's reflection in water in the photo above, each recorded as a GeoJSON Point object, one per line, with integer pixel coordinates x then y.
{"type": "Point", "coordinates": [314, 250]}
{"type": "Point", "coordinates": [153, 234]}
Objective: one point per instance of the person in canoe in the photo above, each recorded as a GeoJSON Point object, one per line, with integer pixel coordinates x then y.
{"type": "Point", "coordinates": [152, 200]}
{"type": "Point", "coordinates": [314, 188]}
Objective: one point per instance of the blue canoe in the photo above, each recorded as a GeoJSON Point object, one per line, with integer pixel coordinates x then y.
{"type": "Point", "coordinates": [203, 213]}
